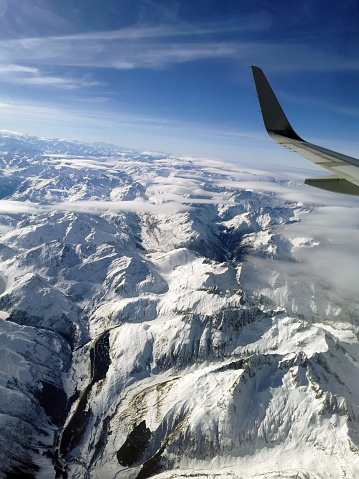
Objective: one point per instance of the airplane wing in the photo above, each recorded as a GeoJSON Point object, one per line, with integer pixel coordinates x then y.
{"type": "Point", "coordinates": [345, 169]}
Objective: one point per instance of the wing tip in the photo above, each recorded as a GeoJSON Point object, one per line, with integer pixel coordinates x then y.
{"type": "Point", "coordinates": [275, 120]}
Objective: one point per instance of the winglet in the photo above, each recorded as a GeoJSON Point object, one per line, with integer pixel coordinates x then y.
{"type": "Point", "coordinates": [274, 118]}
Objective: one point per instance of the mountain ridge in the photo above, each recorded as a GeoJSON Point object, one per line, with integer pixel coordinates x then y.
{"type": "Point", "coordinates": [172, 314]}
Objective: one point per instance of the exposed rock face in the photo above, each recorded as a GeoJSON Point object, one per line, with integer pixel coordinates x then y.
{"type": "Point", "coordinates": [156, 321]}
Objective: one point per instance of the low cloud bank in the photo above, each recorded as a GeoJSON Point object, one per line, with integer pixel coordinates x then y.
{"type": "Point", "coordinates": [335, 260]}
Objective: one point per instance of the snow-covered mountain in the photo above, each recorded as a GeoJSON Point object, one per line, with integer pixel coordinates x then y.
{"type": "Point", "coordinates": [172, 317]}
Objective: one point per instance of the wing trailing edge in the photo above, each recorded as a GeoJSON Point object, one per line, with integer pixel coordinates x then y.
{"type": "Point", "coordinates": [334, 184]}
{"type": "Point", "coordinates": [345, 169]}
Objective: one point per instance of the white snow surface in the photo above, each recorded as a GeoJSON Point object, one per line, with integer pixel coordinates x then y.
{"type": "Point", "coordinates": [173, 317]}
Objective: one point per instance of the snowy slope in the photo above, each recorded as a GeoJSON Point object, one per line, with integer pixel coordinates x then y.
{"type": "Point", "coordinates": [173, 317]}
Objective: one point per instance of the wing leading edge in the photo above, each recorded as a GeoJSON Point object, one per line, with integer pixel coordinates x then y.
{"type": "Point", "coordinates": [345, 169]}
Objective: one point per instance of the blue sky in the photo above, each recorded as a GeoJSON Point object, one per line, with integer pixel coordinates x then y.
{"type": "Point", "coordinates": [174, 75]}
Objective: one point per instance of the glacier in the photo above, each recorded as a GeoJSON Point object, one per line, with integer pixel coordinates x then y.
{"type": "Point", "coordinates": [173, 317]}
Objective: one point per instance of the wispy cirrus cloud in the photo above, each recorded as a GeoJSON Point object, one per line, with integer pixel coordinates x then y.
{"type": "Point", "coordinates": [27, 75]}
{"type": "Point", "coordinates": [24, 60]}
{"type": "Point", "coordinates": [112, 52]}
{"type": "Point", "coordinates": [163, 45]}
{"type": "Point", "coordinates": [28, 60]}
